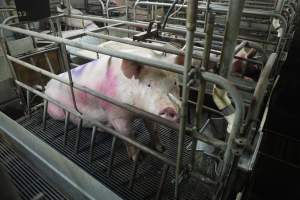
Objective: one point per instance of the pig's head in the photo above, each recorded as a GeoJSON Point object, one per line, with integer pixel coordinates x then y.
{"type": "Point", "coordinates": [153, 90]}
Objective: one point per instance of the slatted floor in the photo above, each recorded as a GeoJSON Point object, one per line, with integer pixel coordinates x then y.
{"type": "Point", "coordinates": [149, 171]}
{"type": "Point", "coordinates": [27, 181]}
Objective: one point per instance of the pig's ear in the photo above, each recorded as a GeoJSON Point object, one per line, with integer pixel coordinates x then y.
{"type": "Point", "coordinates": [130, 68]}
{"type": "Point", "coordinates": [179, 59]}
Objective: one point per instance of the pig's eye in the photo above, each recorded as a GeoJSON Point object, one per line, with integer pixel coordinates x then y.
{"type": "Point", "coordinates": [175, 83]}
{"type": "Point", "coordinates": [149, 85]}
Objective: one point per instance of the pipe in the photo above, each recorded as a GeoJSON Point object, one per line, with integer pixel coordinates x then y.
{"type": "Point", "coordinates": [201, 82]}
{"type": "Point", "coordinates": [231, 33]}
{"type": "Point", "coordinates": [259, 93]}
{"type": "Point", "coordinates": [147, 61]}
{"type": "Point", "coordinates": [141, 44]}
{"type": "Point", "coordinates": [191, 27]}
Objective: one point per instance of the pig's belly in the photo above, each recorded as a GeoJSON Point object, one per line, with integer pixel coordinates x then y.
{"type": "Point", "coordinates": [90, 109]}
{"type": "Point", "coordinates": [88, 113]}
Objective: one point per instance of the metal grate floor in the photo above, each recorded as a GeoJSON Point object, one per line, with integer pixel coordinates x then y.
{"type": "Point", "coordinates": [29, 183]}
{"type": "Point", "coordinates": [149, 171]}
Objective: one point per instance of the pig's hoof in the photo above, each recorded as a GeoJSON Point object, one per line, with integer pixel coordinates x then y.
{"type": "Point", "coordinates": [138, 157]}
{"type": "Point", "coordinates": [159, 148]}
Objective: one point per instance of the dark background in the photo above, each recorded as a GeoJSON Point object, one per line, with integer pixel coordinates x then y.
{"type": "Point", "coordinates": [277, 171]}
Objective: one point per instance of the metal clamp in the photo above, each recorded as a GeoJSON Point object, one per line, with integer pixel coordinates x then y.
{"type": "Point", "coordinates": [151, 32]}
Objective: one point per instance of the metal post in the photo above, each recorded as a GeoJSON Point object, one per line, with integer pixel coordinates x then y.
{"type": "Point", "coordinates": [92, 143]}
{"type": "Point", "coordinates": [68, 2]}
{"type": "Point", "coordinates": [45, 114]}
{"type": "Point", "coordinates": [78, 135]}
{"type": "Point", "coordinates": [66, 64]}
{"type": "Point", "coordinates": [231, 33]}
{"type": "Point", "coordinates": [201, 82]}
{"type": "Point", "coordinates": [191, 27]}
{"type": "Point", "coordinates": [66, 128]}
{"type": "Point", "coordinates": [112, 155]}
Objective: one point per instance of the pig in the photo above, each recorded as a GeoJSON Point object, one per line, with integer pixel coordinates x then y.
{"type": "Point", "coordinates": [127, 81]}
{"type": "Point", "coordinates": [76, 23]}
{"type": "Point", "coordinates": [250, 72]}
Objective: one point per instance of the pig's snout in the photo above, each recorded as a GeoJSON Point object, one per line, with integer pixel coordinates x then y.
{"type": "Point", "coordinates": [169, 113]}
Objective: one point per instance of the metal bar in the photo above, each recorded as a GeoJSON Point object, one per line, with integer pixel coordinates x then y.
{"type": "Point", "coordinates": [147, 61]}
{"type": "Point", "coordinates": [259, 93]}
{"type": "Point", "coordinates": [231, 33]}
{"type": "Point", "coordinates": [162, 181]}
{"type": "Point", "coordinates": [49, 63]}
{"type": "Point", "coordinates": [28, 103]}
{"type": "Point", "coordinates": [198, 55]}
{"type": "Point", "coordinates": [11, 69]}
{"type": "Point", "coordinates": [66, 128]}
{"type": "Point", "coordinates": [78, 133]}
{"type": "Point", "coordinates": [233, 21]}
{"type": "Point", "coordinates": [191, 27]}
{"type": "Point", "coordinates": [112, 155]}
{"type": "Point", "coordinates": [66, 62]}
{"type": "Point", "coordinates": [40, 51]}
{"type": "Point", "coordinates": [208, 39]}
{"type": "Point", "coordinates": [92, 143]}
{"type": "Point", "coordinates": [45, 114]}
{"type": "Point", "coordinates": [133, 172]}
{"type": "Point", "coordinates": [141, 44]}
{"type": "Point", "coordinates": [201, 82]}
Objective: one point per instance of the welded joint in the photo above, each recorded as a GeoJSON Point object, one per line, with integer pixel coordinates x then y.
{"type": "Point", "coordinates": [238, 146]}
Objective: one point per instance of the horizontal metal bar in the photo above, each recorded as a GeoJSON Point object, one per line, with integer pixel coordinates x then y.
{"type": "Point", "coordinates": [40, 51]}
{"type": "Point", "coordinates": [151, 62]}
{"type": "Point", "coordinates": [141, 44]}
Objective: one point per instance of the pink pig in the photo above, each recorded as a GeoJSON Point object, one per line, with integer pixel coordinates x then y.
{"type": "Point", "coordinates": [127, 81]}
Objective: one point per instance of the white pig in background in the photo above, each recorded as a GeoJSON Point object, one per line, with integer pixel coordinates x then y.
{"type": "Point", "coordinates": [127, 81]}
{"type": "Point", "coordinates": [75, 23]}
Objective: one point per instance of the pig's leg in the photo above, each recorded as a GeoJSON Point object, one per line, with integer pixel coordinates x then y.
{"type": "Point", "coordinates": [152, 128]}
{"type": "Point", "coordinates": [123, 126]}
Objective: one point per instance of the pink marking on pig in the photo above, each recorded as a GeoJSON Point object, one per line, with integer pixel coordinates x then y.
{"type": "Point", "coordinates": [108, 87]}
{"type": "Point", "coordinates": [81, 97]}
{"type": "Point", "coordinates": [55, 111]}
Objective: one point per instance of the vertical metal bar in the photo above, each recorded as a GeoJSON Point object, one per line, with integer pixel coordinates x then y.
{"type": "Point", "coordinates": [162, 181]}
{"type": "Point", "coordinates": [68, 2]}
{"type": "Point", "coordinates": [92, 143]}
{"type": "Point", "coordinates": [208, 39]}
{"type": "Point", "coordinates": [233, 20]}
{"type": "Point", "coordinates": [279, 5]}
{"type": "Point", "coordinates": [11, 68]}
{"type": "Point", "coordinates": [191, 27]}
{"type": "Point", "coordinates": [200, 81]}
{"type": "Point", "coordinates": [134, 169]}
{"type": "Point", "coordinates": [45, 114]}
{"type": "Point", "coordinates": [206, 15]}
{"type": "Point", "coordinates": [32, 38]}
{"type": "Point", "coordinates": [66, 64]}
{"type": "Point", "coordinates": [66, 128]}
{"type": "Point", "coordinates": [49, 63]}
{"type": "Point", "coordinates": [28, 103]}
{"type": "Point", "coordinates": [112, 154]}
{"type": "Point", "coordinates": [79, 127]}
